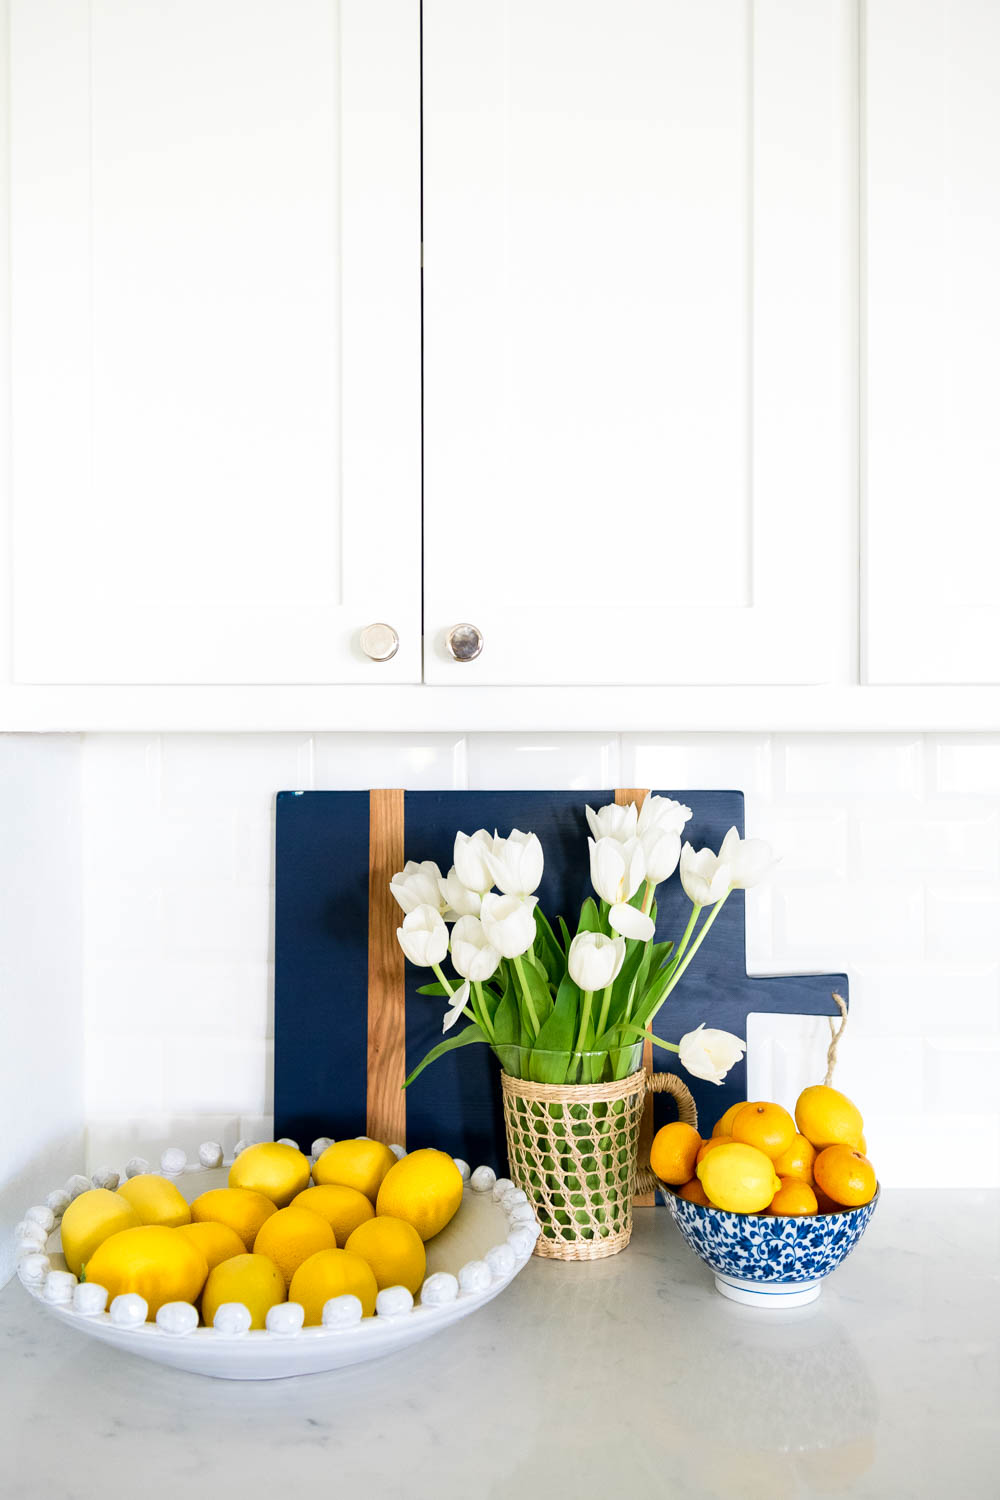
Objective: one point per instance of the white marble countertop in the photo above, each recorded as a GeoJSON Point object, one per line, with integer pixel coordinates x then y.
{"type": "Point", "coordinates": [625, 1376]}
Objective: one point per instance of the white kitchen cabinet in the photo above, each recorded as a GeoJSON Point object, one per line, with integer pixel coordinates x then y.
{"type": "Point", "coordinates": [215, 340]}
{"type": "Point", "coordinates": [932, 314]}
{"type": "Point", "coordinates": [638, 226]}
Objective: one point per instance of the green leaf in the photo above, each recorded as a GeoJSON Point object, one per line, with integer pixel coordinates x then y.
{"type": "Point", "coordinates": [507, 1019]}
{"type": "Point", "coordinates": [547, 948]}
{"type": "Point", "coordinates": [558, 1034]}
{"type": "Point", "coordinates": [432, 989]}
{"type": "Point", "coordinates": [639, 1034]}
{"type": "Point", "coordinates": [565, 934]}
{"type": "Point", "coordinates": [541, 997]}
{"type": "Point", "coordinates": [450, 1044]}
{"type": "Point", "coordinates": [590, 917]}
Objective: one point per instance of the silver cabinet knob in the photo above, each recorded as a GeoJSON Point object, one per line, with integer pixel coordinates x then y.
{"type": "Point", "coordinates": [464, 642]}
{"type": "Point", "coordinates": [380, 642]}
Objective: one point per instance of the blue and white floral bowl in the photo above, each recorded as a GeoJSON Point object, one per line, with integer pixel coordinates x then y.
{"type": "Point", "coordinates": [765, 1260]}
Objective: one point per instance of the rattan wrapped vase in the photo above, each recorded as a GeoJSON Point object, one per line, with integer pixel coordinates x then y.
{"type": "Point", "coordinates": [573, 1150]}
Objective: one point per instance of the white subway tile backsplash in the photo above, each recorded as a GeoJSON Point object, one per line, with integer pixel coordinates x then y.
{"type": "Point", "coordinates": [966, 766]}
{"type": "Point", "coordinates": [843, 768]}
{"type": "Point", "coordinates": [725, 762]}
{"type": "Point", "coordinates": [423, 762]}
{"type": "Point", "coordinates": [890, 870]}
{"type": "Point", "coordinates": [501, 762]}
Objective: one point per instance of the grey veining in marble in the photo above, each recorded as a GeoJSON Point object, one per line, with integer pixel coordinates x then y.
{"type": "Point", "coordinates": [626, 1376]}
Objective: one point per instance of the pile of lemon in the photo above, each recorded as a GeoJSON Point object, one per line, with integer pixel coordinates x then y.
{"type": "Point", "coordinates": [759, 1160]}
{"type": "Point", "coordinates": [355, 1222]}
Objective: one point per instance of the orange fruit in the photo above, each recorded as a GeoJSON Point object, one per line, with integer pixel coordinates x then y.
{"type": "Point", "coordinates": [710, 1145]}
{"type": "Point", "coordinates": [793, 1198]}
{"type": "Point", "coordinates": [343, 1208]}
{"type": "Point", "coordinates": [694, 1193]}
{"type": "Point", "coordinates": [826, 1117]}
{"type": "Point", "coordinates": [724, 1124]}
{"type": "Point", "coordinates": [824, 1204]}
{"type": "Point", "coordinates": [674, 1151]}
{"type": "Point", "coordinates": [217, 1242]}
{"type": "Point", "coordinates": [767, 1126]}
{"type": "Point", "coordinates": [797, 1161]}
{"type": "Point", "coordinates": [845, 1176]}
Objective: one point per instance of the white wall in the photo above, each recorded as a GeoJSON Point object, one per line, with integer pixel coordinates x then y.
{"type": "Point", "coordinates": [41, 1025]}
{"type": "Point", "coordinates": [891, 869]}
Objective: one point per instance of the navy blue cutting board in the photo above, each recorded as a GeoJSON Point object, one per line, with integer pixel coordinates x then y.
{"type": "Point", "coordinates": [321, 962]}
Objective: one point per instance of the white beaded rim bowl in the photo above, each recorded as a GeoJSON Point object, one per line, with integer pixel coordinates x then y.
{"type": "Point", "coordinates": [470, 1262]}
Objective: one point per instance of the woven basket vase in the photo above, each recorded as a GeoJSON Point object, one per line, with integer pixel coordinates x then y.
{"type": "Point", "coordinates": [573, 1149]}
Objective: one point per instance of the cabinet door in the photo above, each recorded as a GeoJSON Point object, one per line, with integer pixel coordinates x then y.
{"type": "Point", "coordinates": [932, 240]}
{"type": "Point", "coordinates": [215, 231]}
{"type": "Point", "coordinates": [637, 335]}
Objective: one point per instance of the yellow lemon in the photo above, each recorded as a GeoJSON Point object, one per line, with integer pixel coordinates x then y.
{"type": "Point", "coordinates": [290, 1236]}
{"type": "Point", "coordinates": [393, 1249]}
{"type": "Point", "coordinates": [739, 1178]}
{"type": "Point", "coordinates": [89, 1220]}
{"type": "Point", "coordinates": [357, 1164]}
{"type": "Point", "coordinates": [826, 1117]}
{"type": "Point", "coordinates": [724, 1124]}
{"type": "Point", "coordinates": [276, 1170]}
{"type": "Point", "coordinates": [241, 1209]}
{"type": "Point", "coordinates": [217, 1242]}
{"type": "Point", "coordinates": [333, 1273]}
{"type": "Point", "coordinates": [153, 1260]}
{"type": "Point", "coordinates": [253, 1280]}
{"type": "Point", "coordinates": [156, 1200]}
{"type": "Point", "coordinates": [343, 1208]}
{"type": "Point", "coordinates": [424, 1188]}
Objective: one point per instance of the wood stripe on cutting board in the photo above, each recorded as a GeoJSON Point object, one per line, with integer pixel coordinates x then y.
{"type": "Point", "coordinates": [386, 972]}
{"type": "Point", "coordinates": [623, 796]}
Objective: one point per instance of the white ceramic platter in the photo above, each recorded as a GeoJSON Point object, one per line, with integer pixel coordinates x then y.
{"type": "Point", "coordinates": [475, 1257]}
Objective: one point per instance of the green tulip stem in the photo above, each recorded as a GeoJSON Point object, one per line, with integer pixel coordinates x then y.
{"type": "Point", "coordinates": [526, 991]}
{"type": "Point", "coordinates": [681, 968]}
{"type": "Point", "coordinates": [687, 934]}
{"type": "Point", "coordinates": [484, 1015]}
{"type": "Point", "coordinates": [605, 1007]}
{"type": "Point", "coordinates": [647, 898]}
{"type": "Point", "coordinates": [588, 1000]}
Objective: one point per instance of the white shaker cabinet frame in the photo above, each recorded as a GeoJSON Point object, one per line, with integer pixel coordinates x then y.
{"type": "Point", "coordinates": [215, 371]}
{"type": "Point", "coordinates": [638, 336]}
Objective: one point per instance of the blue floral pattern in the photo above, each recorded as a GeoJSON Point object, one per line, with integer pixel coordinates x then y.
{"type": "Point", "coordinates": [757, 1247]}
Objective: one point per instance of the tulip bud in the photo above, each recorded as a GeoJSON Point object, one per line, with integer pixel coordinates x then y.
{"type": "Point", "coordinates": [661, 849]}
{"type": "Point", "coordinates": [470, 863]}
{"type": "Point", "coordinates": [459, 900]}
{"type": "Point", "coordinates": [515, 863]}
{"type": "Point", "coordinates": [749, 860]}
{"type": "Point", "coordinates": [663, 812]}
{"type": "Point", "coordinates": [704, 876]}
{"type": "Point", "coordinates": [423, 936]}
{"type": "Point", "coordinates": [472, 954]}
{"type": "Point", "coordinates": [595, 961]}
{"type": "Point", "coordinates": [418, 885]}
{"type": "Point", "coordinates": [509, 924]}
{"type": "Point", "coordinates": [613, 822]}
{"type": "Point", "coordinates": [709, 1054]}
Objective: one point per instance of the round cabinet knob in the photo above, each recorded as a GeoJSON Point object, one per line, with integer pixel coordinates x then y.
{"type": "Point", "coordinates": [465, 642]}
{"type": "Point", "coordinates": [380, 642]}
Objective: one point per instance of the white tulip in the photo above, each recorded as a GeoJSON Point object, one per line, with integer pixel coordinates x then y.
{"type": "Point", "coordinates": [749, 860]}
{"type": "Point", "coordinates": [418, 885]}
{"type": "Point", "coordinates": [595, 961]}
{"type": "Point", "coordinates": [516, 863]}
{"type": "Point", "coordinates": [705, 878]}
{"type": "Point", "coordinates": [472, 954]}
{"type": "Point", "coordinates": [617, 870]}
{"type": "Point", "coordinates": [459, 900]}
{"type": "Point", "coordinates": [613, 822]}
{"type": "Point", "coordinates": [663, 812]}
{"type": "Point", "coordinates": [470, 864]}
{"type": "Point", "coordinates": [509, 924]}
{"type": "Point", "coordinates": [661, 849]}
{"type": "Point", "coordinates": [709, 1054]}
{"type": "Point", "coordinates": [423, 936]}
{"type": "Point", "coordinates": [456, 1007]}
